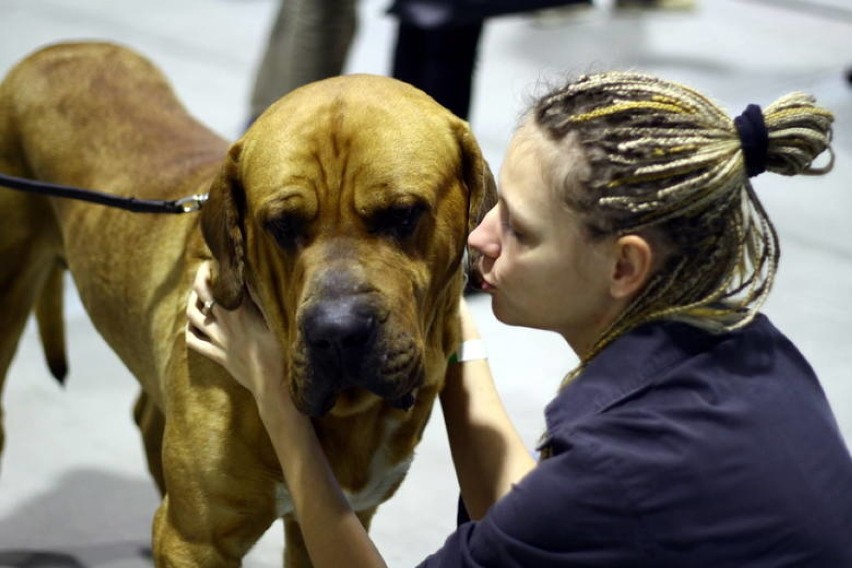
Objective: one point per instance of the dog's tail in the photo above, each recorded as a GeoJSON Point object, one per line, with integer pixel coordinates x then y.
{"type": "Point", "coordinates": [51, 324]}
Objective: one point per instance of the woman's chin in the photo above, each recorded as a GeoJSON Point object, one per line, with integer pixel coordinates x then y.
{"type": "Point", "coordinates": [503, 315]}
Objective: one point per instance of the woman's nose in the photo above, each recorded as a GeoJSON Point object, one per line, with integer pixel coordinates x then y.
{"type": "Point", "coordinates": [485, 237]}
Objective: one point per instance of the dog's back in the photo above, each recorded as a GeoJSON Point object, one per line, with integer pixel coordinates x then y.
{"type": "Point", "coordinates": [95, 115]}
{"type": "Point", "coordinates": [84, 108]}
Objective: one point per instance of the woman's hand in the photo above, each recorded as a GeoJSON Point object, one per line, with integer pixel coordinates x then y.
{"type": "Point", "coordinates": [239, 340]}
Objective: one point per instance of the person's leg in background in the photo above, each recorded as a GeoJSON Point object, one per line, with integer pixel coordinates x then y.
{"type": "Point", "coordinates": [441, 61]}
{"type": "Point", "coordinates": [655, 4]}
{"type": "Point", "coordinates": [309, 41]}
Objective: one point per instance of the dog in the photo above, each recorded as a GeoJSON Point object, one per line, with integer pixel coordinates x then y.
{"type": "Point", "coordinates": [343, 212]}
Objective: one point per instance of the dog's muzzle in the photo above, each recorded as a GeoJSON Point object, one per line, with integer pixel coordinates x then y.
{"type": "Point", "coordinates": [339, 333]}
{"type": "Point", "coordinates": [348, 345]}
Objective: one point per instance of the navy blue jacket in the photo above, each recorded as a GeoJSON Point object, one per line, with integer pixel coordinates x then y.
{"type": "Point", "coordinates": [676, 447]}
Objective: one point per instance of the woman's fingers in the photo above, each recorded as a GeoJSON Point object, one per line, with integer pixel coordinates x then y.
{"type": "Point", "coordinates": [202, 334]}
{"type": "Point", "coordinates": [202, 322]}
{"type": "Point", "coordinates": [202, 277]}
{"type": "Point", "coordinates": [203, 346]}
{"type": "Point", "coordinates": [239, 340]}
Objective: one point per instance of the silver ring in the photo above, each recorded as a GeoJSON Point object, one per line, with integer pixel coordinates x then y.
{"type": "Point", "coordinates": [207, 307]}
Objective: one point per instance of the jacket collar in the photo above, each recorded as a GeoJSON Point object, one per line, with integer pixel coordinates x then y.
{"type": "Point", "coordinates": [631, 363]}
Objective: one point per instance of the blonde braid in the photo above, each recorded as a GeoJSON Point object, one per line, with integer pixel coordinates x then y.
{"type": "Point", "coordinates": [665, 158]}
{"type": "Point", "coordinates": [798, 132]}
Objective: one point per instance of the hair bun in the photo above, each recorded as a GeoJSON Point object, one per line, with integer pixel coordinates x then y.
{"type": "Point", "coordinates": [799, 131]}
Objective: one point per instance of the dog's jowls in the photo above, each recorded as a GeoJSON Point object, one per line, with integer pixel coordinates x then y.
{"type": "Point", "coordinates": [343, 211]}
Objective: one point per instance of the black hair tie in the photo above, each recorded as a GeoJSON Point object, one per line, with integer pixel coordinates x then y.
{"type": "Point", "coordinates": [754, 139]}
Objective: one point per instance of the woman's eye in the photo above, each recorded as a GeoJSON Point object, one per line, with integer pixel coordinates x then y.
{"type": "Point", "coordinates": [517, 235]}
{"type": "Point", "coordinates": [511, 230]}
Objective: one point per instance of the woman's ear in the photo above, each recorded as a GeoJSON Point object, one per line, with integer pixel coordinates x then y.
{"type": "Point", "coordinates": [634, 265]}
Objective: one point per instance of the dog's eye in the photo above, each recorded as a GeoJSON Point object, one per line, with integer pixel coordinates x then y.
{"type": "Point", "coordinates": [287, 230]}
{"type": "Point", "coordinates": [398, 222]}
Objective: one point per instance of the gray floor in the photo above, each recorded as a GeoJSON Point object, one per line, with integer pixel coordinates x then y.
{"type": "Point", "coordinates": [74, 488]}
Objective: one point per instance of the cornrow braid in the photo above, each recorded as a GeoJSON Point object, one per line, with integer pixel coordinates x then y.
{"type": "Point", "coordinates": [666, 160]}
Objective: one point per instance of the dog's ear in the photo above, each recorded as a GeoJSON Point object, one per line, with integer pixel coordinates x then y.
{"type": "Point", "coordinates": [222, 227]}
{"type": "Point", "coordinates": [482, 193]}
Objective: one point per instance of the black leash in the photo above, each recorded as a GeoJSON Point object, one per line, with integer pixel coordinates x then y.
{"type": "Point", "coordinates": [184, 205]}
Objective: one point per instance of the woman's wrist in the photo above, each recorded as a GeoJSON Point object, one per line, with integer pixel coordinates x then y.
{"type": "Point", "coordinates": [274, 403]}
{"type": "Point", "coordinates": [470, 350]}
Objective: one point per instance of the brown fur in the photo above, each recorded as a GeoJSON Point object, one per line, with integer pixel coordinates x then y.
{"type": "Point", "coordinates": [323, 168]}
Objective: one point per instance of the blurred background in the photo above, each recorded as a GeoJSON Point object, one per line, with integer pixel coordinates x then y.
{"type": "Point", "coordinates": [74, 489]}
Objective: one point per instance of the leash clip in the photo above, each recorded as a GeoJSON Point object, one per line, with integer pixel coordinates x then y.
{"type": "Point", "coordinates": [192, 203]}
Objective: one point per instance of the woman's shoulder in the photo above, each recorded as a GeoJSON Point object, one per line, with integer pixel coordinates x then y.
{"type": "Point", "coordinates": [679, 399]}
{"type": "Point", "coordinates": [666, 356]}
{"type": "Point", "coordinates": [709, 442]}
{"type": "Point", "coordinates": [678, 371]}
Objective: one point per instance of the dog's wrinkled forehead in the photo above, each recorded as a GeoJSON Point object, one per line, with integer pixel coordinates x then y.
{"type": "Point", "coordinates": [371, 143]}
{"type": "Point", "coordinates": [363, 101]}
{"type": "Point", "coordinates": [364, 158]}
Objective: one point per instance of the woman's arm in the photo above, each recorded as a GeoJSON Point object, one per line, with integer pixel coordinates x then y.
{"type": "Point", "coordinates": [240, 341]}
{"type": "Point", "coordinates": [488, 452]}
{"type": "Point", "coordinates": [333, 534]}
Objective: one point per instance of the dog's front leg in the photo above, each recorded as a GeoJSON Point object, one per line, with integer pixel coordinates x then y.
{"type": "Point", "coordinates": [175, 546]}
{"type": "Point", "coordinates": [221, 474]}
{"type": "Point", "coordinates": [214, 511]}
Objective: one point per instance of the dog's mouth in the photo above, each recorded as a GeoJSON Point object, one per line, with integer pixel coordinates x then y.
{"type": "Point", "coordinates": [348, 350]}
{"type": "Point", "coordinates": [404, 402]}
{"type": "Point", "coordinates": [314, 397]}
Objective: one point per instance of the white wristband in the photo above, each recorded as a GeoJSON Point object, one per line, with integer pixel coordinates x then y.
{"type": "Point", "coordinates": [470, 350]}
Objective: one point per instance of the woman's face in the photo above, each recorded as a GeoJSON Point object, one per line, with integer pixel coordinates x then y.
{"type": "Point", "coordinates": [537, 264]}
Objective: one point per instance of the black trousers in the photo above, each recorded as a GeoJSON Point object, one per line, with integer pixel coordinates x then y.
{"type": "Point", "coordinates": [440, 61]}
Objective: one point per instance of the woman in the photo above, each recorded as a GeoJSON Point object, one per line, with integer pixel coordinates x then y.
{"type": "Point", "coordinates": [693, 433]}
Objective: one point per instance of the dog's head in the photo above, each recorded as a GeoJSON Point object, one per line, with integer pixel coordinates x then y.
{"type": "Point", "coordinates": [344, 211]}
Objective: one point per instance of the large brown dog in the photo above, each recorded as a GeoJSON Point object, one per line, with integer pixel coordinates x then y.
{"type": "Point", "coordinates": [343, 212]}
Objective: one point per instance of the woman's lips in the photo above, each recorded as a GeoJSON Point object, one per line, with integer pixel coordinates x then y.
{"type": "Point", "coordinates": [487, 286]}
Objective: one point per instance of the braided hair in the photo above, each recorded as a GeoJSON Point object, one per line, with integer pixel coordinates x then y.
{"type": "Point", "coordinates": [664, 161]}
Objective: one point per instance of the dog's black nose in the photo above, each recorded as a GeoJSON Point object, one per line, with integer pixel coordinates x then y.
{"type": "Point", "coordinates": [342, 329]}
